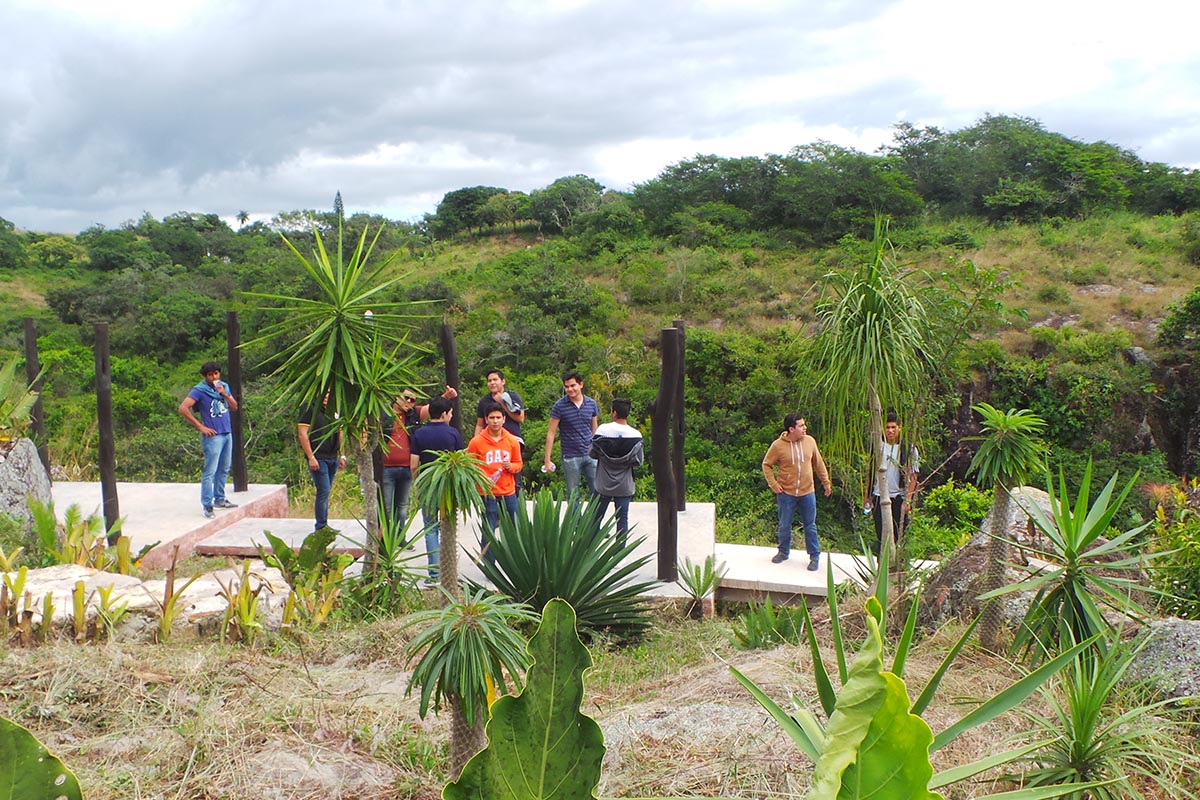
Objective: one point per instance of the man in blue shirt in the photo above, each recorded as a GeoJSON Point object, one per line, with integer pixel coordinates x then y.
{"type": "Point", "coordinates": [577, 416]}
{"type": "Point", "coordinates": [212, 399]}
{"type": "Point", "coordinates": [436, 436]}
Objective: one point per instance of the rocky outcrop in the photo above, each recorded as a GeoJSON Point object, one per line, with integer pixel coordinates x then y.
{"type": "Point", "coordinates": [1170, 661]}
{"type": "Point", "coordinates": [21, 476]}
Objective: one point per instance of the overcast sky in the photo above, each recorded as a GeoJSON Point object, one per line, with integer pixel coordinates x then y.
{"type": "Point", "coordinates": [112, 108]}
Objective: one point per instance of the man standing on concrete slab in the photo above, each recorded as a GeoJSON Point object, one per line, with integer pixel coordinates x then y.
{"type": "Point", "coordinates": [427, 441]}
{"type": "Point", "coordinates": [789, 465]}
{"type": "Point", "coordinates": [577, 415]}
{"type": "Point", "coordinates": [212, 399]}
{"type": "Point", "coordinates": [901, 465]}
{"type": "Point", "coordinates": [499, 452]}
{"type": "Point", "coordinates": [512, 405]}
{"type": "Point", "coordinates": [321, 441]}
{"type": "Point", "coordinates": [617, 448]}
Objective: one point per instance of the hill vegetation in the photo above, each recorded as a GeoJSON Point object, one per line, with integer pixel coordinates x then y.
{"type": "Point", "coordinates": [1071, 265]}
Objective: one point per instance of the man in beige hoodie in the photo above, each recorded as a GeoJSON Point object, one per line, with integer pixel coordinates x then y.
{"type": "Point", "coordinates": [789, 466]}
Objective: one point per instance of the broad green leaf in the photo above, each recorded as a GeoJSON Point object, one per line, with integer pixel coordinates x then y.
{"type": "Point", "coordinates": [28, 771]}
{"type": "Point", "coordinates": [540, 747]}
{"type": "Point", "coordinates": [873, 746]}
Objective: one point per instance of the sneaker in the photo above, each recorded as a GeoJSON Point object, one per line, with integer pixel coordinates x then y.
{"type": "Point", "coordinates": [814, 564]}
{"type": "Point", "coordinates": [779, 558]}
{"type": "Point", "coordinates": [208, 514]}
{"type": "Point", "coordinates": [429, 583]}
{"type": "Point", "coordinates": [224, 504]}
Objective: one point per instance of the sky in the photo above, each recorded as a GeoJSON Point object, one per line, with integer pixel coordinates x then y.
{"type": "Point", "coordinates": [110, 109]}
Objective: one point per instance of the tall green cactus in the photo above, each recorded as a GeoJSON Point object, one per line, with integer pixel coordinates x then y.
{"type": "Point", "coordinates": [28, 771]}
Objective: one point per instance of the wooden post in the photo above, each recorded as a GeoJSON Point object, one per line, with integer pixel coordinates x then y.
{"type": "Point", "coordinates": [660, 457]}
{"type": "Point", "coordinates": [450, 356]}
{"type": "Point", "coordinates": [33, 375]}
{"type": "Point", "coordinates": [678, 427]}
{"type": "Point", "coordinates": [108, 457]}
{"type": "Point", "coordinates": [233, 338]}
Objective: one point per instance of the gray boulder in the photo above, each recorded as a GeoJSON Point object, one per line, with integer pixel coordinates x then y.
{"type": "Point", "coordinates": [21, 476]}
{"type": "Point", "coordinates": [1170, 661]}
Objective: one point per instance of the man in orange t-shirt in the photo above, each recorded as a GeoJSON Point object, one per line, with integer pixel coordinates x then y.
{"type": "Point", "coordinates": [500, 453]}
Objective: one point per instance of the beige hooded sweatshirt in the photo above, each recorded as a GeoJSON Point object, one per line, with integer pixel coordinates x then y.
{"type": "Point", "coordinates": [788, 466]}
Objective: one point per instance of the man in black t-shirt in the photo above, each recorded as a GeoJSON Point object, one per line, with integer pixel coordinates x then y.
{"type": "Point", "coordinates": [510, 401]}
{"type": "Point", "coordinates": [322, 446]}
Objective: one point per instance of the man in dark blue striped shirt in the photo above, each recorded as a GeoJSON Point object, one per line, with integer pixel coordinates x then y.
{"type": "Point", "coordinates": [577, 416]}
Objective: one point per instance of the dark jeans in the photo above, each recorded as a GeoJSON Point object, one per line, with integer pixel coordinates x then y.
{"type": "Point", "coordinates": [218, 450]}
{"type": "Point", "coordinates": [621, 510]}
{"type": "Point", "coordinates": [877, 515]}
{"type": "Point", "coordinates": [429, 518]}
{"type": "Point", "coordinates": [491, 517]}
{"type": "Point", "coordinates": [806, 505]}
{"type": "Point", "coordinates": [395, 489]}
{"type": "Point", "coordinates": [322, 478]}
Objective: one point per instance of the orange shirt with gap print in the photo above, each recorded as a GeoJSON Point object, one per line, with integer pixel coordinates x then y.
{"type": "Point", "coordinates": [494, 454]}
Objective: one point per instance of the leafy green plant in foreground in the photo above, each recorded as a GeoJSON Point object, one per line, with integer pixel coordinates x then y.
{"type": "Point", "coordinates": [700, 581]}
{"type": "Point", "coordinates": [876, 744]}
{"type": "Point", "coordinates": [28, 771]}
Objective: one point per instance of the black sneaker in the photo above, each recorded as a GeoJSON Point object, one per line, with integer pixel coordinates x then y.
{"type": "Point", "coordinates": [778, 558]}
{"type": "Point", "coordinates": [208, 514]}
{"type": "Point", "coordinates": [814, 564]}
{"type": "Point", "coordinates": [224, 504]}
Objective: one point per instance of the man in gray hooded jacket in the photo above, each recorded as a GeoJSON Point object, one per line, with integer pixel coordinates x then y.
{"type": "Point", "coordinates": [617, 448]}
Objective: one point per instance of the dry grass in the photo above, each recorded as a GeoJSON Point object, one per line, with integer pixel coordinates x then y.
{"type": "Point", "coordinates": [328, 718]}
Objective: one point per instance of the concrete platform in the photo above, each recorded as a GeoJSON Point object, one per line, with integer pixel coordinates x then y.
{"type": "Point", "coordinates": [169, 513]}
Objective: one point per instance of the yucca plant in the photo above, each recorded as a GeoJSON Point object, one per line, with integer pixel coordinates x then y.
{"type": "Point", "coordinates": [700, 581]}
{"type": "Point", "coordinates": [1098, 728]}
{"type": "Point", "coordinates": [1085, 576]}
{"type": "Point", "coordinates": [562, 549]}
{"type": "Point", "coordinates": [462, 651]}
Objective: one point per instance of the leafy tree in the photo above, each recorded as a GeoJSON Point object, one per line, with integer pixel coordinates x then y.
{"type": "Point", "coordinates": [557, 206]}
{"type": "Point", "coordinates": [462, 210]}
{"type": "Point", "coordinates": [12, 246]}
{"type": "Point", "coordinates": [1010, 451]}
{"type": "Point", "coordinates": [55, 252]}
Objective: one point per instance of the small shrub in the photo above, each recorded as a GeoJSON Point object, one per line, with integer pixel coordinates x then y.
{"type": "Point", "coordinates": [763, 626]}
{"type": "Point", "coordinates": [947, 517]}
{"type": "Point", "coordinates": [1176, 531]}
{"type": "Point", "coordinates": [1083, 275]}
{"type": "Point", "coordinates": [1054, 293]}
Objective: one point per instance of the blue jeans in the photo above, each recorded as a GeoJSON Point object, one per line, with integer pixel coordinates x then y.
{"type": "Point", "coordinates": [574, 468]}
{"type": "Point", "coordinates": [806, 504]}
{"type": "Point", "coordinates": [491, 517]}
{"type": "Point", "coordinates": [395, 487]}
{"type": "Point", "coordinates": [218, 450]}
{"type": "Point", "coordinates": [322, 478]}
{"type": "Point", "coordinates": [429, 518]}
{"type": "Point", "coordinates": [621, 507]}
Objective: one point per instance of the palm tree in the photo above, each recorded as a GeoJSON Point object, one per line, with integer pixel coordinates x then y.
{"type": "Point", "coordinates": [243, 217]}
{"type": "Point", "coordinates": [1009, 451]}
{"type": "Point", "coordinates": [873, 344]}
{"type": "Point", "coordinates": [347, 340]}
{"type": "Point", "coordinates": [466, 648]}
{"type": "Point", "coordinates": [450, 483]}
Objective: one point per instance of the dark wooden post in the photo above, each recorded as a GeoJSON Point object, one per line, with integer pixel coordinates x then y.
{"type": "Point", "coordinates": [450, 356]}
{"type": "Point", "coordinates": [108, 452]}
{"type": "Point", "coordinates": [677, 437]}
{"type": "Point", "coordinates": [660, 457]}
{"type": "Point", "coordinates": [33, 375]}
{"type": "Point", "coordinates": [233, 338]}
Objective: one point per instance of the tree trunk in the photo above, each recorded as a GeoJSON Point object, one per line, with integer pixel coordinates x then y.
{"type": "Point", "coordinates": [361, 453]}
{"type": "Point", "coordinates": [448, 555]}
{"type": "Point", "coordinates": [465, 740]}
{"type": "Point", "coordinates": [993, 577]}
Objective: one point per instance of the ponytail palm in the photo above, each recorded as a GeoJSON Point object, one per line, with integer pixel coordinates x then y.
{"type": "Point", "coordinates": [1010, 451]}
{"type": "Point", "coordinates": [872, 348]}
{"type": "Point", "coordinates": [450, 484]}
